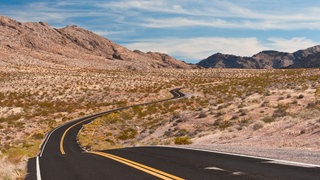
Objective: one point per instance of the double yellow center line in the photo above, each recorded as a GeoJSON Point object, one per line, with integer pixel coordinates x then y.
{"type": "Point", "coordinates": [141, 167]}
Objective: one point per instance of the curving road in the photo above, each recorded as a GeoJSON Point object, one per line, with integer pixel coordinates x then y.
{"type": "Point", "coordinates": [61, 158]}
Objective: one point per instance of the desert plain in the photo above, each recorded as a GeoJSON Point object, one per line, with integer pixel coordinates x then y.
{"type": "Point", "coordinates": [227, 109]}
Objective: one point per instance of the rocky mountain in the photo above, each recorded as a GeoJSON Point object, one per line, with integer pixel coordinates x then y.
{"type": "Point", "coordinates": [37, 43]}
{"type": "Point", "coordinates": [227, 61]}
{"type": "Point", "coordinates": [308, 58]}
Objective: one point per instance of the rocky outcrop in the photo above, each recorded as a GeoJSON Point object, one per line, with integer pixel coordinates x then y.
{"type": "Point", "coordinates": [227, 61]}
{"type": "Point", "coordinates": [39, 43]}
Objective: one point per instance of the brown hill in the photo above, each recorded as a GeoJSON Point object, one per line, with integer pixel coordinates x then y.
{"type": "Point", "coordinates": [308, 58]}
{"type": "Point", "coordinates": [40, 44]}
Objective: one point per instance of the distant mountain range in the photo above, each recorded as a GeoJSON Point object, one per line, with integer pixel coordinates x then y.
{"type": "Point", "coordinates": [37, 43]}
{"type": "Point", "coordinates": [308, 58]}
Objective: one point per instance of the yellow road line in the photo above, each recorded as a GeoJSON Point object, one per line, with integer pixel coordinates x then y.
{"type": "Point", "coordinates": [141, 167]}
{"type": "Point", "coordinates": [66, 131]}
{"type": "Point", "coordinates": [64, 134]}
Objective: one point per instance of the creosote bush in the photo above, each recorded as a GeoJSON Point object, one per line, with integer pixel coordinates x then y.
{"type": "Point", "coordinates": [257, 125]}
{"type": "Point", "coordinates": [268, 119]}
{"type": "Point", "coordinates": [128, 134]}
{"type": "Point", "coordinates": [182, 140]}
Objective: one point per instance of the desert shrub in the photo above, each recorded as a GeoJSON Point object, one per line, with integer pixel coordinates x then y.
{"type": "Point", "coordinates": [234, 117]}
{"type": "Point", "coordinates": [242, 112]}
{"type": "Point", "coordinates": [112, 118]}
{"type": "Point", "coordinates": [244, 122]}
{"type": "Point", "coordinates": [224, 124]}
{"type": "Point", "coordinates": [280, 112]}
{"type": "Point", "coordinates": [257, 125]}
{"type": "Point", "coordinates": [217, 122]}
{"type": "Point", "coordinates": [241, 105]}
{"type": "Point", "coordinates": [300, 96]}
{"type": "Point", "coordinates": [265, 104]}
{"type": "Point", "coordinates": [267, 93]}
{"type": "Point", "coordinates": [168, 133]}
{"type": "Point", "coordinates": [110, 141]}
{"type": "Point", "coordinates": [182, 140]}
{"type": "Point", "coordinates": [128, 134]}
{"type": "Point", "coordinates": [303, 131]}
{"type": "Point", "coordinates": [175, 116]}
{"type": "Point", "coordinates": [218, 114]}
{"type": "Point", "coordinates": [15, 155]}
{"type": "Point", "coordinates": [38, 136]}
{"type": "Point", "coordinates": [202, 115]}
{"type": "Point", "coordinates": [268, 119]}
{"type": "Point", "coordinates": [182, 132]}
{"type": "Point", "coordinates": [2, 119]}
{"type": "Point", "coordinates": [126, 115]}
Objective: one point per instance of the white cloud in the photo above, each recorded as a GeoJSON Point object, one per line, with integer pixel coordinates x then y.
{"type": "Point", "coordinates": [182, 22]}
{"type": "Point", "coordinates": [229, 24]}
{"type": "Point", "coordinates": [291, 45]}
{"type": "Point", "coordinates": [109, 33]}
{"type": "Point", "coordinates": [200, 48]}
{"type": "Point", "coordinates": [131, 17]}
{"type": "Point", "coordinates": [220, 14]}
{"type": "Point", "coordinates": [175, 13]}
{"type": "Point", "coordinates": [194, 49]}
{"type": "Point", "coordinates": [160, 6]}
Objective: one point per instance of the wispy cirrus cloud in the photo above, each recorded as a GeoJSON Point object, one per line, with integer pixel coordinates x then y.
{"type": "Point", "coordinates": [220, 14]}
{"type": "Point", "coordinates": [200, 28]}
{"type": "Point", "coordinates": [160, 6]}
{"type": "Point", "coordinates": [174, 13]}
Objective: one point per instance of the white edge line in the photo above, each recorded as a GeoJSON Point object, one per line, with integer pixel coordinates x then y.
{"type": "Point", "coordinates": [52, 131]}
{"type": "Point", "coordinates": [249, 156]}
{"type": "Point", "coordinates": [38, 168]}
{"type": "Point", "coordinates": [45, 142]}
{"type": "Point", "coordinates": [44, 145]}
{"type": "Point", "coordinates": [47, 139]}
{"type": "Point", "coordinates": [96, 115]}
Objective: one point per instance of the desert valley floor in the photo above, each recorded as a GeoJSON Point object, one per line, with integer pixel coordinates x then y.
{"type": "Point", "coordinates": [267, 109]}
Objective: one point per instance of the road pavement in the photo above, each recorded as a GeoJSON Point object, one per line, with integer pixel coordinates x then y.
{"type": "Point", "coordinates": [61, 158]}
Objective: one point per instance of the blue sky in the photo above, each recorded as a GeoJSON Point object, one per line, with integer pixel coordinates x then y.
{"type": "Point", "coordinates": [189, 30]}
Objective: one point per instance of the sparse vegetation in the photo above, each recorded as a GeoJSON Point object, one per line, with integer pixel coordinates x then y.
{"type": "Point", "coordinates": [182, 140]}
{"type": "Point", "coordinates": [128, 134]}
{"type": "Point", "coordinates": [257, 125]}
{"type": "Point", "coordinates": [268, 119]}
{"type": "Point", "coordinates": [220, 103]}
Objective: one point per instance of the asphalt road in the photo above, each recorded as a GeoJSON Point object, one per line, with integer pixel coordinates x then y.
{"type": "Point", "coordinates": [61, 158]}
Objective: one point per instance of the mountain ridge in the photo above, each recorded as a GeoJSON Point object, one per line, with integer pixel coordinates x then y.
{"type": "Point", "coordinates": [38, 43]}
{"type": "Point", "coordinates": [267, 59]}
